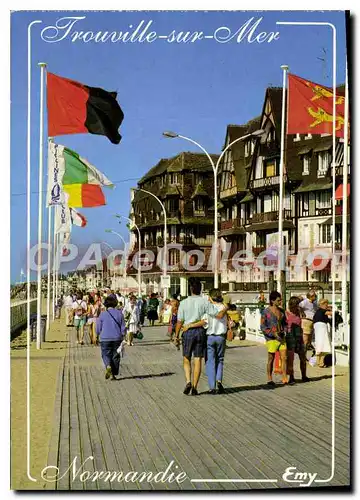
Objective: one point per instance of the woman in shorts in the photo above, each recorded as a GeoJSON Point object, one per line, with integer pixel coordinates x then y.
{"type": "Point", "coordinates": [273, 326]}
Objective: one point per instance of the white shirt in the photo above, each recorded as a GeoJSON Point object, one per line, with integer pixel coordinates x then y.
{"type": "Point", "coordinates": [216, 326]}
{"type": "Point", "coordinates": [308, 307]}
{"type": "Point", "coordinates": [77, 304]}
{"type": "Point", "coordinates": [68, 301]}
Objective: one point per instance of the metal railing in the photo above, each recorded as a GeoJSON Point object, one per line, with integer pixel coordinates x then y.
{"type": "Point", "coordinates": [18, 314]}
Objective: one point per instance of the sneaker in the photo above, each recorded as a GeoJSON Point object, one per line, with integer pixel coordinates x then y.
{"type": "Point", "coordinates": [194, 392]}
{"type": "Point", "coordinates": [108, 372]}
{"type": "Point", "coordinates": [220, 388]}
{"type": "Point", "coordinates": [305, 379]}
{"type": "Point", "coordinates": [212, 391]}
{"type": "Point", "coordinates": [271, 383]}
{"type": "Point", "coordinates": [187, 388]}
{"type": "Point", "coordinates": [291, 381]}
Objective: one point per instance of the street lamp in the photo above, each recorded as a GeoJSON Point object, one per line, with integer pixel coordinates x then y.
{"type": "Point", "coordinates": [165, 235]}
{"type": "Point", "coordinates": [123, 240]}
{"type": "Point", "coordinates": [139, 239]}
{"type": "Point", "coordinates": [215, 167]}
{"type": "Point", "coordinates": [112, 249]}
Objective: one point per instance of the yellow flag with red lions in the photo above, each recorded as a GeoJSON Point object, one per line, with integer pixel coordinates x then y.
{"type": "Point", "coordinates": [311, 108]}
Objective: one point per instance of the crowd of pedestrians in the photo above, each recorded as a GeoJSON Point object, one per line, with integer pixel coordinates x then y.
{"type": "Point", "coordinates": [202, 325]}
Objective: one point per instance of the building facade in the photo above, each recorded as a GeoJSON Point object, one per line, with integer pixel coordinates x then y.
{"type": "Point", "coordinates": [185, 185]}
{"type": "Point", "coordinates": [249, 180]}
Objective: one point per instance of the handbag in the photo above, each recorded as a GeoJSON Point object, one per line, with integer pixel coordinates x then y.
{"type": "Point", "coordinates": [230, 335]}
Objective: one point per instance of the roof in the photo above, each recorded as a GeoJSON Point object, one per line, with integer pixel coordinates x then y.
{"type": "Point", "coordinates": [262, 226]}
{"type": "Point", "coordinates": [182, 161]}
{"type": "Point", "coordinates": [200, 191]}
{"type": "Point", "coordinates": [240, 162]}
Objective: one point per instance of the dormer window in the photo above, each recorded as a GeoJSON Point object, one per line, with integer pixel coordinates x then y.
{"type": "Point", "coordinates": [308, 136]}
{"type": "Point", "coordinates": [174, 178]}
{"type": "Point", "coordinates": [297, 138]}
{"type": "Point", "coordinates": [323, 163]}
{"type": "Point", "coordinates": [306, 160]}
{"type": "Point", "coordinates": [271, 136]}
{"type": "Point", "coordinates": [249, 147]}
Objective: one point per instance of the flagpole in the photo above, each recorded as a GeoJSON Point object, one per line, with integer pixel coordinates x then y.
{"type": "Point", "coordinates": [281, 270]}
{"type": "Point", "coordinates": [344, 298]}
{"type": "Point", "coordinates": [54, 266]}
{"type": "Point", "coordinates": [40, 207]}
{"type": "Point", "coordinates": [48, 271]}
{"type": "Point", "coordinates": [28, 243]}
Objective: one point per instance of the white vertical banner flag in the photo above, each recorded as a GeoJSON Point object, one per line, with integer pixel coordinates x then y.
{"type": "Point", "coordinates": [63, 219]}
{"type": "Point", "coordinates": [56, 171]}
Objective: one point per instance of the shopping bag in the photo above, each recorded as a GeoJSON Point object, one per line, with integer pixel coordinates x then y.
{"type": "Point", "coordinates": [277, 363]}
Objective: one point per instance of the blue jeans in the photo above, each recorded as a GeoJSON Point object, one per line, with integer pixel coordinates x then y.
{"type": "Point", "coordinates": [110, 356]}
{"type": "Point", "coordinates": [215, 359]}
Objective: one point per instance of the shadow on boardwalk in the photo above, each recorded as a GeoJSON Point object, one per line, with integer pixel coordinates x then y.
{"type": "Point", "coordinates": [243, 439]}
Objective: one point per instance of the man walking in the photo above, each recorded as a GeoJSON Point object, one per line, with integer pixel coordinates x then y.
{"type": "Point", "coordinates": [69, 316]}
{"type": "Point", "coordinates": [191, 315]}
{"type": "Point", "coordinates": [308, 306]}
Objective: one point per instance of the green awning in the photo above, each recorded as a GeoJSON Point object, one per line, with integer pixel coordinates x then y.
{"type": "Point", "coordinates": [304, 151]}
{"type": "Point", "coordinates": [315, 186]}
{"type": "Point", "coordinates": [264, 226]}
{"type": "Point", "coordinates": [338, 219]}
{"type": "Point", "coordinates": [247, 197]}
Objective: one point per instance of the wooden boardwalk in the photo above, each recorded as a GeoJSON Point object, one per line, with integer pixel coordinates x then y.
{"type": "Point", "coordinates": [143, 421]}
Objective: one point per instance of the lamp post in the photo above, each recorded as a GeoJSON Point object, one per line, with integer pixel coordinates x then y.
{"type": "Point", "coordinates": [215, 167]}
{"type": "Point", "coordinates": [123, 240]}
{"type": "Point", "coordinates": [112, 249]}
{"type": "Point", "coordinates": [165, 234]}
{"type": "Point", "coordinates": [139, 239]}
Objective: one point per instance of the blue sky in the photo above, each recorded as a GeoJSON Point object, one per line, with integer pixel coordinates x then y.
{"type": "Point", "coordinates": [194, 89]}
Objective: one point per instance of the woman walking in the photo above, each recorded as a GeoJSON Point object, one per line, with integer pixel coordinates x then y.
{"type": "Point", "coordinates": [132, 319]}
{"type": "Point", "coordinates": [273, 324]}
{"type": "Point", "coordinates": [322, 320]}
{"type": "Point", "coordinates": [294, 340]}
{"type": "Point", "coordinates": [166, 314]}
{"type": "Point", "coordinates": [91, 320]}
{"type": "Point", "coordinates": [153, 309]}
{"type": "Point", "coordinates": [111, 327]}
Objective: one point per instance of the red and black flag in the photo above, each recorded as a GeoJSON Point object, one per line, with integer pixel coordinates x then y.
{"type": "Point", "coordinates": [74, 108]}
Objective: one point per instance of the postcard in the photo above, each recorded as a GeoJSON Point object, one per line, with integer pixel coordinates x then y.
{"type": "Point", "coordinates": [180, 250]}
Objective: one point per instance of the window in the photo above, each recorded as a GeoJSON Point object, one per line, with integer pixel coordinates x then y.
{"type": "Point", "coordinates": [323, 199]}
{"type": "Point", "coordinates": [324, 234]}
{"type": "Point", "coordinates": [260, 239]}
{"type": "Point", "coordinates": [308, 136]}
{"type": "Point", "coordinates": [338, 233]}
{"type": "Point", "coordinates": [198, 204]}
{"type": "Point", "coordinates": [174, 256]}
{"type": "Point", "coordinates": [323, 162]}
{"type": "Point", "coordinates": [162, 181]}
{"type": "Point", "coordinates": [297, 138]}
{"type": "Point", "coordinates": [306, 164]}
{"type": "Point", "coordinates": [270, 168]}
{"type": "Point", "coordinates": [275, 201]}
{"type": "Point", "coordinates": [304, 210]}
{"type": "Point", "coordinates": [247, 148]}
{"type": "Point", "coordinates": [197, 178]}
{"type": "Point", "coordinates": [174, 178]}
{"type": "Point", "coordinates": [173, 204]}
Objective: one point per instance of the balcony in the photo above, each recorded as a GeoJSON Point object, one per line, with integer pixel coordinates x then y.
{"type": "Point", "coordinates": [265, 182]}
{"type": "Point", "coordinates": [232, 224]}
{"type": "Point", "coordinates": [269, 216]}
{"type": "Point", "coordinates": [226, 193]}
